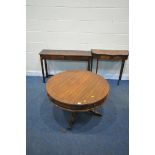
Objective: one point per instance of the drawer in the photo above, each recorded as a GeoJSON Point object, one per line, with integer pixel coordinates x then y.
{"type": "Point", "coordinates": [105, 57]}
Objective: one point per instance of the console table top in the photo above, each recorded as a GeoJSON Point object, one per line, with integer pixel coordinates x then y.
{"type": "Point", "coordinates": [65, 52]}
{"type": "Point", "coordinates": [110, 52]}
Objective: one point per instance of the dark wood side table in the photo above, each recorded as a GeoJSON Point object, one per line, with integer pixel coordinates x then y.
{"type": "Point", "coordinates": [77, 91]}
{"type": "Point", "coordinates": [75, 55]}
{"type": "Point", "coordinates": [114, 55]}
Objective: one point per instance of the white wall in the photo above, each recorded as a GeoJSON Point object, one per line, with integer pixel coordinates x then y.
{"type": "Point", "coordinates": [76, 24]}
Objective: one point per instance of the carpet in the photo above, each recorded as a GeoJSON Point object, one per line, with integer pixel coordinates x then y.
{"type": "Point", "coordinates": [90, 135]}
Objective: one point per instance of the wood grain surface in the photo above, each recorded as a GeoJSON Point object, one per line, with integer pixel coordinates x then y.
{"type": "Point", "coordinates": [110, 52]}
{"type": "Point", "coordinates": [77, 90]}
{"type": "Point", "coordinates": [65, 52]}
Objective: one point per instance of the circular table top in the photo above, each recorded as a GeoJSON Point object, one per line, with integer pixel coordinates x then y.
{"type": "Point", "coordinates": [77, 90]}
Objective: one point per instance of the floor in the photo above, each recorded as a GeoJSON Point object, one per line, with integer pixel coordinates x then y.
{"type": "Point", "coordinates": [90, 135]}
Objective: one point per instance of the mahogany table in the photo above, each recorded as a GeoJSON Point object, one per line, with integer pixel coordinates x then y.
{"type": "Point", "coordinates": [77, 91]}
{"type": "Point", "coordinates": [75, 55]}
{"type": "Point", "coordinates": [113, 55]}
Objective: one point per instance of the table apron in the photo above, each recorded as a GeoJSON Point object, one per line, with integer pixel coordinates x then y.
{"type": "Point", "coordinates": [110, 57]}
{"type": "Point", "coordinates": [62, 57]}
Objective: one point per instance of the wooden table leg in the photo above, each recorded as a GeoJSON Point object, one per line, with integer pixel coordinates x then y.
{"type": "Point", "coordinates": [97, 66]}
{"type": "Point", "coordinates": [46, 68]}
{"type": "Point", "coordinates": [95, 112]}
{"type": "Point", "coordinates": [121, 71]}
{"type": "Point", "coordinates": [42, 68]}
{"type": "Point", "coordinates": [72, 120]}
{"type": "Point", "coordinates": [91, 63]}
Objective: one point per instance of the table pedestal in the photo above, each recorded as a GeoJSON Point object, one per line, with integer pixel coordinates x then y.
{"type": "Point", "coordinates": [74, 114]}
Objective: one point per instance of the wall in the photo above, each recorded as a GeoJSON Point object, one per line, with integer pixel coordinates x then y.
{"type": "Point", "coordinates": [76, 24]}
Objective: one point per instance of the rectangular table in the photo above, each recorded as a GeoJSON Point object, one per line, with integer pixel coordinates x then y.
{"type": "Point", "coordinates": [114, 55]}
{"type": "Point", "coordinates": [75, 55]}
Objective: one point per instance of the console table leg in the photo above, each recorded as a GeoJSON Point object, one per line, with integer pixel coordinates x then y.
{"type": "Point", "coordinates": [72, 120]}
{"type": "Point", "coordinates": [42, 68]}
{"type": "Point", "coordinates": [46, 68]}
{"type": "Point", "coordinates": [88, 65]}
{"type": "Point", "coordinates": [91, 63]}
{"type": "Point", "coordinates": [121, 71]}
{"type": "Point", "coordinates": [97, 66]}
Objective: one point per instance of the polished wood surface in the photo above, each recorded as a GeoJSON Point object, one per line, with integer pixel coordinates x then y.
{"type": "Point", "coordinates": [111, 52]}
{"type": "Point", "coordinates": [113, 55]}
{"type": "Point", "coordinates": [74, 53]}
{"type": "Point", "coordinates": [65, 52]}
{"type": "Point", "coordinates": [77, 90]}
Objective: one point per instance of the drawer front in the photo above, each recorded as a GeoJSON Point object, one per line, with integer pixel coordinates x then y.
{"type": "Point", "coordinates": [65, 57]}
{"type": "Point", "coordinates": [53, 57]}
{"type": "Point", "coordinates": [79, 58]}
{"type": "Point", "coordinates": [115, 58]}
{"type": "Point", "coordinates": [111, 57]}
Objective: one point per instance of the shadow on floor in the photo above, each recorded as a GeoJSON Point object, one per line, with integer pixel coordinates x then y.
{"type": "Point", "coordinates": [85, 122]}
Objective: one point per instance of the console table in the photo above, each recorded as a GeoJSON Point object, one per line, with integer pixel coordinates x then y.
{"type": "Point", "coordinates": [63, 55]}
{"type": "Point", "coordinates": [114, 55]}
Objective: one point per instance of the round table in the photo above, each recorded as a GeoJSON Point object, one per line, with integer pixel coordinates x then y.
{"type": "Point", "coordinates": [77, 91]}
